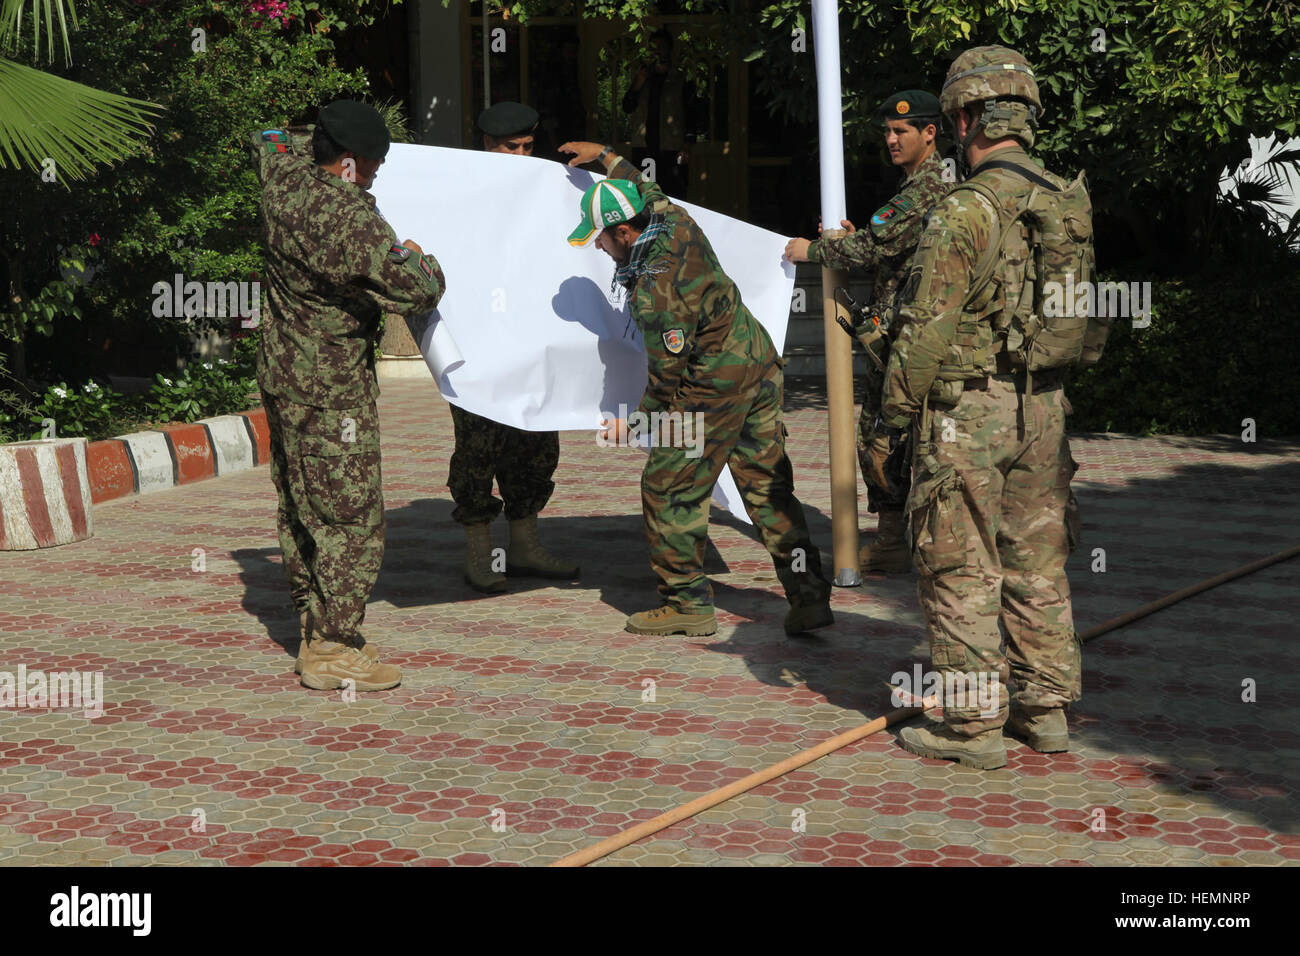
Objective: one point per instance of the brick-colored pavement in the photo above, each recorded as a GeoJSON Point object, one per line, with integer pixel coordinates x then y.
{"type": "Point", "coordinates": [532, 703]}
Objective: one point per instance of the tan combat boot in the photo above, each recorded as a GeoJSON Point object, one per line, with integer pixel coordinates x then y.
{"type": "Point", "coordinates": [1043, 728]}
{"type": "Point", "coordinates": [304, 646]}
{"type": "Point", "coordinates": [478, 560]}
{"type": "Point", "coordinates": [888, 551]}
{"type": "Point", "coordinates": [669, 620]}
{"type": "Point", "coordinates": [331, 663]}
{"type": "Point", "coordinates": [526, 556]}
{"type": "Point", "coordinates": [985, 751]}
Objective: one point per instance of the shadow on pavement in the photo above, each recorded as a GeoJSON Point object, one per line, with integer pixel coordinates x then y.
{"type": "Point", "coordinates": [1162, 696]}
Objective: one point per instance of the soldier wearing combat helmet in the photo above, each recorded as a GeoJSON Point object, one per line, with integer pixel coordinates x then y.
{"type": "Point", "coordinates": [909, 122]}
{"type": "Point", "coordinates": [990, 499]}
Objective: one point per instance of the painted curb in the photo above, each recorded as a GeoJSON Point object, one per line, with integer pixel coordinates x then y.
{"type": "Point", "coordinates": [45, 494]}
{"type": "Point", "coordinates": [149, 461]}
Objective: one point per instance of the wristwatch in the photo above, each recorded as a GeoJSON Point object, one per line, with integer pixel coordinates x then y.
{"type": "Point", "coordinates": [603, 153]}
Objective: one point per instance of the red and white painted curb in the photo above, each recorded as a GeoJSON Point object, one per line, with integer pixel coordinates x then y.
{"type": "Point", "coordinates": [47, 487]}
{"type": "Point", "coordinates": [177, 455]}
{"type": "Point", "coordinates": [44, 494]}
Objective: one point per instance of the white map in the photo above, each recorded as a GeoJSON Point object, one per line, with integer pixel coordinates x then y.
{"type": "Point", "coordinates": [528, 332]}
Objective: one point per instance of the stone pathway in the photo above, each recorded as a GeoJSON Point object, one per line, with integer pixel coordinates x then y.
{"type": "Point", "coordinates": [528, 710]}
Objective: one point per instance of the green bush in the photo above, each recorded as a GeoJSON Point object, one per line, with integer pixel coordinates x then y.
{"type": "Point", "coordinates": [202, 390]}
{"type": "Point", "coordinates": [1220, 348]}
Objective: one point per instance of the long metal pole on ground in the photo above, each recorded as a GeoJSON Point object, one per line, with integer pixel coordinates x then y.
{"type": "Point", "coordinates": [839, 348]}
{"type": "Point", "coordinates": [709, 800]}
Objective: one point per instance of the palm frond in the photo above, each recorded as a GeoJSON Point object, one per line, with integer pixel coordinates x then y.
{"type": "Point", "coordinates": [12, 14]}
{"type": "Point", "coordinates": [49, 117]}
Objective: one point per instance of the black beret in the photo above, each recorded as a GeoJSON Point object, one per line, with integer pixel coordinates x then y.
{"type": "Point", "coordinates": [507, 119]}
{"type": "Point", "coordinates": [356, 127]}
{"type": "Point", "coordinates": [909, 104]}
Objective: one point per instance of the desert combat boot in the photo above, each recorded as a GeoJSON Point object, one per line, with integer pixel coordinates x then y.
{"type": "Point", "coordinates": [1043, 728]}
{"type": "Point", "coordinates": [331, 663]}
{"type": "Point", "coordinates": [479, 573]}
{"type": "Point", "coordinates": [888, 551]}
{"type": "Point", "coordinates": [668, 620]}
{"type": "Point", "coordinates": [305, 649]}
{"type": "Point", "coordinates": [525, 556]}
{"type": "Point", "coordinates": [985, 751]}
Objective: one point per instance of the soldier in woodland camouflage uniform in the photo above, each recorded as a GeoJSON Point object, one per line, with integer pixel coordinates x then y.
{"type": "Point", "coordinates": [992, 466]}
{"type": "Point", "coordinates": [910, 123]}
{"type": "Point", "coordinates": [705, 354]}
{"type": "Point", "coordinates": [522, 462]}
{"type": "Point", "coordinates": [332, 267]}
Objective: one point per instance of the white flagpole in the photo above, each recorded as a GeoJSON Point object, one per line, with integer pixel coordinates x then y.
{"type": "Point", "coordinates": [839, 347]}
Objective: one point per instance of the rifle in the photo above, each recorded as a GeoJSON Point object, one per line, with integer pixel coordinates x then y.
{"type": "Point", "coordinates": [873, 334]}
{"type": "Point", "coordinates": [871, 329]}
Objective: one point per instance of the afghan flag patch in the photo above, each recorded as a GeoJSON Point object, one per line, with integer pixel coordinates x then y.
{"type": "Point", "coordinates": [425, 268]}
{"type": "Point", "coordinates": [275, 140]}
{"type": "Point", "coordinates": [896, 208]}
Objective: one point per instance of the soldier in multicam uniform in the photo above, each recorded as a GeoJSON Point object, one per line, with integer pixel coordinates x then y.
{"type": "Point", "coordinates": [706, 354]}
{"type": "Point", "coordinates": [991, 468]}
{"type": "Point", "coordinates": [333, 266]}
{"type": "Point", "coordinates": [910, 123]}
{"type": "Point", "coordinates": [523, 462]}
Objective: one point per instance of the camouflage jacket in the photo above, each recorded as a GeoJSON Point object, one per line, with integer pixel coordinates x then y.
{"type": "Point", "coordinates": [943, 339]}
{"type": "Point", "coordinates": [888, 242]}
{"type": "Point", "coordinates": [700, 339]}
{"type": "Point", "coordinates": [333, 266]}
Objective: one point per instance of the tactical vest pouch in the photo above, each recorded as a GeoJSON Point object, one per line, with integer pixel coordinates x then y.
{"type": "Point", "coordinates": [1045, 332]}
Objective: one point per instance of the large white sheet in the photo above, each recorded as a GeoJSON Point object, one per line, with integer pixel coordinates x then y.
{"type": "Point", "coordinates": [528, 332]}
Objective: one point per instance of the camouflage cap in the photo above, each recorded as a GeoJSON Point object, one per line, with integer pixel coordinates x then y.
{"type": "Point", "coordinates": [356, 127]}
{"type": "Point", "coordinates": [989, 73]}
{"type": "Point", "coordinates": [909, 104]}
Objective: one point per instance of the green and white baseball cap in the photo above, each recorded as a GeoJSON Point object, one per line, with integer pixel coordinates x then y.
{"type": "Point", "coordinates": [605, 204]}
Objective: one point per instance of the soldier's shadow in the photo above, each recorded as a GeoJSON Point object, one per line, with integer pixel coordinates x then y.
{"type": "Point", "coordinates": [424, 558]}
{"type": "Point", "coordinates": [266, 595]}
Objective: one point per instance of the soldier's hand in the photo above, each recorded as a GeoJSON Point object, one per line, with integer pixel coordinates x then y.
{"type": "Point", "coordinates": [582, 152]}
{"type": "Point", "coordinates": [844, 224]}
{"type": "Point", "coordinates": [613, 431]}
{"type": "Point", "coordinates": [796, 250]}
{"type": "Point", "coordinates": [877, 455]}
{"type": "Point", "coordinates": [413, 246]}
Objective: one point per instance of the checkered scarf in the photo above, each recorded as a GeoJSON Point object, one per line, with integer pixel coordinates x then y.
{"type": "Point", "coordinates": [626, 275]}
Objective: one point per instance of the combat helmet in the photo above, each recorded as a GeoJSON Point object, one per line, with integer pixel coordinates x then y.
{"type": "Point", "coordinates": [1004, 82]}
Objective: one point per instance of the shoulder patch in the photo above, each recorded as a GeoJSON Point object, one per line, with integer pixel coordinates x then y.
{"type": "Point", "coordinates": [275, 140]}
{"type": "Point", "coordinates": [674, 341]}
{"type": "Point", "coordinates": [890, 213]}
{"type": "Point", "coordinates": [399, 253]}
{"type": "Point", "coordinates": [426, 268]}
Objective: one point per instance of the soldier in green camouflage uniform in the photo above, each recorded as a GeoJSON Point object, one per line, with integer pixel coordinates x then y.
{"type": "Point", "coordinates": [910, 123]}
{"type": "Point", "coordinates": [708, 356]}
{"type": "Point", "coordinates": [333, 266]}
{"type": "Point", "coordinates": [992, 466]}
{"type": "Point", "coordinates": [522, 462]}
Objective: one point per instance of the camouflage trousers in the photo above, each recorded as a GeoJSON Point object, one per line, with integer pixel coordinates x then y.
{"type": "Point", "coordinates": [742, 428]}
{"type": "Point", "coordinates": [521, 461]}
{"type": "Point", "coordinates": [325, 467]}
{"type": "Point", "coordinates": [878, 499]}
{"type": "Point", "coordinates": [993, 521]}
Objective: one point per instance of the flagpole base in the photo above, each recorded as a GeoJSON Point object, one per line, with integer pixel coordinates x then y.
{"type": "Point", "coordinates": [847, 578]}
